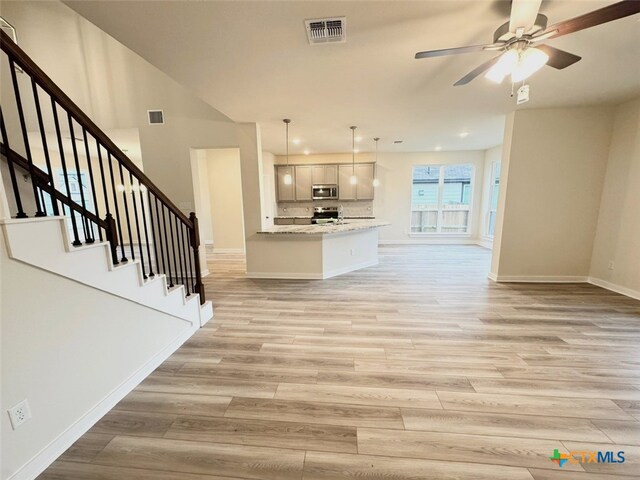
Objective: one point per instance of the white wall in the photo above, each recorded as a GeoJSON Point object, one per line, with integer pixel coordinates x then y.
{"type": "Point", "coordinates": [553, 167]}
{"type": "Point", "coordinates": [116, 87]}
{"type": "Point", "coordinates": [66, 348]}
{"type": "Point", "coordinates": [393, 197]}
{"type": "Point", "coordinates": [225, 196]}
{"type": "Point", "coordinates": [618, 235]}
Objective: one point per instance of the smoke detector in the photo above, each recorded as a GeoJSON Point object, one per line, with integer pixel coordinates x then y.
{"type": "Point", "coordinates": [326, 30]}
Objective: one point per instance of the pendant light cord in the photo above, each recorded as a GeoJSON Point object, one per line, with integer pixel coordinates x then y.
{"type": "Point", "coordinates": [287, 122]}
{"type": "Point", "coordinates": [353, 150]}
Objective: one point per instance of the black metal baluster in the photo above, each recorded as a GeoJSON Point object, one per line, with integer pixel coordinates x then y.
{"type": "Point", "coordinates": [115, 203]}
{"type": "Point", "coordinates": [185, 252]}
{"type": "Point", "coordinates": [173, 248]}
{"type": "Point", "coordinates": [12, 171]}
{"type": "Point", "coordinates": [45, 148]}
{"type": "Point", "coordinates": [126, 211]}
{"type": "Point", "coordinates": [93, 186]}
{"type": "Point", "coordinates": [160, 241]}
{"type": "Point", "coordinates": [164, 221]}
{"type": "Point", "coordinates": [135, 214]}
{"type": "Point", "coordinates": [179, 242]}
{"type": "Point", "coordinates": [141, 190]}
{"type": "Point", "coordinates": [76, 238]}
{"type": "Point", "coordinates": [23, 126]}
{"type": "Point", "coordinates": [85, 222]}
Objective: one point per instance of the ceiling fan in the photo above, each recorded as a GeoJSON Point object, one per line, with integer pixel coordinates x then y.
{"type": "Point", "coordinates": [520, 41]}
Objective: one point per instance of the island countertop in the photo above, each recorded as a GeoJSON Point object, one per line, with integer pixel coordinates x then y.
{"type": "Point", "coordinates": [325, 229]}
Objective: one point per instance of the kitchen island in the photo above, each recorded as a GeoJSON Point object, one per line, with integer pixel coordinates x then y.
{"type": "Point", "coordinates": [314, 251]}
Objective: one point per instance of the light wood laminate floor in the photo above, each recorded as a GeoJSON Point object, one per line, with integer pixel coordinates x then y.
{"type": "Point", "coordinates": [418, 368]}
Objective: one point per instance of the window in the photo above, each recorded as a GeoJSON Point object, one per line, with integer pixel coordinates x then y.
{"type": "Point", "coordinates": [77, 182]}
{"type": "Point", "coordinates": [441, 198]}
{"type": "Point", "coordinates": [493, 199]}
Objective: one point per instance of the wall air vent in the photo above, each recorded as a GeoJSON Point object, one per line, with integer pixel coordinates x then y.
{"type": "Point", "coordinates": [156, 117]}
{"type": "Point", "coordinates": [326, 30]}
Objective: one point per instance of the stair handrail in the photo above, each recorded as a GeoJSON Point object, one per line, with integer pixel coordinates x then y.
{"type": "Point", "coordinates": [177, 230]}
{"type": "Point", "coordinates": [44, 81]}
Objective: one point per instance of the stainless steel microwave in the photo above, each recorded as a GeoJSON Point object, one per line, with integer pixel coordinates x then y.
{"type": "Point", "coordinates": [324, 192]}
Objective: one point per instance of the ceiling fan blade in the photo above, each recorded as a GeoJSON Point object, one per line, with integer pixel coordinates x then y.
{"type": "Point", "coordinates": [477, 71]}
{"type": "Point", "coordinates": [559, 58]}
{"type": "Point", "coordinates": [456, 51]}
{"type": "Point", "coordinates": [591, 19]}
{"type": "Point", "coordinates": [523, 14]}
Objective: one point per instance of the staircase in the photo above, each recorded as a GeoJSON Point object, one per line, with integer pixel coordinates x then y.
{"type": "Point", "coordinates": [82, 209]}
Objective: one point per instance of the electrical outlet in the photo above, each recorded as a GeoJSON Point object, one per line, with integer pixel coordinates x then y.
{"type": "Point", "coordinates": [610, 266]}
{"type": "Point", "coordinates": [19, 414]}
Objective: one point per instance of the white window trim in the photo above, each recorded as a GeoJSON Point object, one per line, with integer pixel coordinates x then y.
{"type": "Point", "coordinates": [487, 215]}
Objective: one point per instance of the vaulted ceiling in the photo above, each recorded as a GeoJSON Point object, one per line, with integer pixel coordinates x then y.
{"type": "Point", "coordinates": [252, 61]}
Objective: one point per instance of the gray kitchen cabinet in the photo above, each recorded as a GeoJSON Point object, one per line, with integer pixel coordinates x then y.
{"type": "Point", "coordinates": [285, 193]}
{"type": "Point", "coordinates": [303, 182]}
{"type": "Point", "coordinates": [324, 174]}
{"type": "Point", "coordinates": [364, 173]}
{"type": "Point", "coordinates": [331, 174]}
{"type": "Point", "coordinates": [346, 191]}
{"type": "Point", "coordinates": [302, 221]}
{"type": "Point", "coordinates": [283, 221]}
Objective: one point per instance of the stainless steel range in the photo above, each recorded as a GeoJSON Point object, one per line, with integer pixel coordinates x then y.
{"type": "Point", "coordinates": [324, 213]}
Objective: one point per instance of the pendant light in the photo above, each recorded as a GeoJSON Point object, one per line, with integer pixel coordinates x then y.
{"type": "Point", "coordinates": [376, 181]}
{"type": "Point", "coordinates": [288, 180]}
{"type": "Point", "coordinates": [353, 180]}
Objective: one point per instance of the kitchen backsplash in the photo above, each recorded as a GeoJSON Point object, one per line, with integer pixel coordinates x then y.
{"type": "Point", "coordinates": [305, 209]}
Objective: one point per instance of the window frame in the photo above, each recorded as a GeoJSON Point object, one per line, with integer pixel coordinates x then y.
{"type": "Point", "coordinates": [441, 183]}
{"type": "Point", "coordinates": [492, 186]}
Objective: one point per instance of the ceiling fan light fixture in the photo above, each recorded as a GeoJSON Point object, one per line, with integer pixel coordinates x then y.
{"type": "Point", "coordinates": [503, 67]}
{"type": "Point", "coordinates": [531, 60]}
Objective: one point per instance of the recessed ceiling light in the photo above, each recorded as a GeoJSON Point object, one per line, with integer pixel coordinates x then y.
{"type": "Point", "coordinates": [296, 141]}
{"type": "Point", "coordinates": [358, 139]}
{"type": "Point", "coordinates": [463, 134]}
{"type": "Point", "coordinates": [307, 152]}
{"type": "Point", "coordinates": [438, 148]}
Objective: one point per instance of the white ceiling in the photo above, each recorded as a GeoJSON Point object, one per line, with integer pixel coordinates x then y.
{"type": "Point", "coordinates": [251, 60]}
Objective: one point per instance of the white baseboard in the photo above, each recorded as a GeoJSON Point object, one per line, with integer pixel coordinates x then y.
{"type": "Point", "coordinates": [615, 288]}
{"type": "Point", "coordinates": [57, 447]}
{"type": "Point", "coordinates": [235, 251]}
{"type": "Point", "coordinates": [538, 278]}
{"type": "Point", "coordinates": [311, 276]}
{"type": "Point", "coordinates": [351, 268]}
{"type": "Point", "coordinates": [285, 275]}
{"type": "Point", "coordinates": [430, 241]}
{"type": "Point", "coordinates": [492, 276]}
{"type": "Point", "coordinates": [485, 242]}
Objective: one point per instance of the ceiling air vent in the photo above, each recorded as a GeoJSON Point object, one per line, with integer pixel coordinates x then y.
{"type": "Point", "coordinates": [156, 117]}
{"type": "Point", "coordinates": [326, 30]}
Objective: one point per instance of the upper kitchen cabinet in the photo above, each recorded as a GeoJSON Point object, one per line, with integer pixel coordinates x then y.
{"type": "Point", "coordinates": [346, 191]}
{"type": "Point", "coordinates": [364, 174]}
{"type": "Point", "coordinates": [285, 193]}
{"type": "Point", "coordinates": [303, 182]}
{"type": "Point", "coordinates": [324, 174]}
